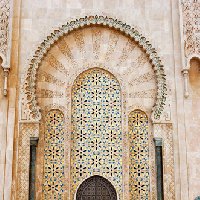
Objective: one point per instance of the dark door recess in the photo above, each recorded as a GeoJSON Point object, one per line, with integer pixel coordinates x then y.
{"type": "Point", "coordinates": [96, 188]}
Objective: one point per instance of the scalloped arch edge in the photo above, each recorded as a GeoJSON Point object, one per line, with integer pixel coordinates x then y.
{"type": "Point", "coordinates": [29, 96]}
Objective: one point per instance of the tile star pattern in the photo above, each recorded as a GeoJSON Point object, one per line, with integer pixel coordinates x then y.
{"type": "Point", "coordinates": [139, 155]}
{"type": "Point", "coordinates": [96, 128]}
{"type": "Point", "coordinates": [53, 187]}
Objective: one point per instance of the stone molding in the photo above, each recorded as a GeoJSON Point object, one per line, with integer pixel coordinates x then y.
{"type": "Point", "coordinates": [185, 73]}
{"type": "Point", "coordinates": [30, 106]}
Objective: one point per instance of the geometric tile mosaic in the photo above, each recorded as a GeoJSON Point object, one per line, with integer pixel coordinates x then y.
{"type": "Point", "coordinates": [53, 185]}
{"type": "Point", "coordinates": [96, 128]}
{"type": "Point", "coordinates": [139, 155]}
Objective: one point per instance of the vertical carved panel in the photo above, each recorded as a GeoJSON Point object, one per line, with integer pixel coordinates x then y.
{"type": "Point", "coordinates": [168, 161]}
{"type": "Point", "coordinates": [5, 8]}
{"type": "Point", "coordinates": [26, 131]}
{"type": "Point", "coordinates": [165, 132]}
{"type": "Point", "coordinates": [96, 134]}
{"type": "Point", "coordinates": [191, 26]}
{"type": "Point", "coordinates": [139, 155]}
{"type": "Point", "coordinates": [53, 187]}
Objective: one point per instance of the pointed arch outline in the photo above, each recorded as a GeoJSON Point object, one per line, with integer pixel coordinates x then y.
{"type": "Point", "coordinates": [29, 86]}
{"type": "Point", "coordinates": [95, 68]}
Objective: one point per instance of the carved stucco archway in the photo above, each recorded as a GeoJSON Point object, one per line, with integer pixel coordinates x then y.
{"type": "Point", "coordinates": [29, 125]}
{"type": "Point", "coordinates": [29, 91]}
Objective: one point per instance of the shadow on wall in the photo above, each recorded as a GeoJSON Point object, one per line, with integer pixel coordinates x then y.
{"type": "Point", "coordinates": [193, 134]}
{"type": "Point", "coordinates": [195, 76]}
{"type": "Point", "coordinates": [1, 77]}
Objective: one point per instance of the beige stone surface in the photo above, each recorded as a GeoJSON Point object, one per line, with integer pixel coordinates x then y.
{"type": "Point", "coordinates": [103, 48]}
{"type": "Point", "coordinates": [159, 20]}
{"type": "Point", "coordinates": [193, 127]}
{"type": "Point", "coordinates": [123, 60]}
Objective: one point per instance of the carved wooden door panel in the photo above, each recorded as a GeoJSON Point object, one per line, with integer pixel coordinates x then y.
{"type": "Point", "coordinates": [96, 188]}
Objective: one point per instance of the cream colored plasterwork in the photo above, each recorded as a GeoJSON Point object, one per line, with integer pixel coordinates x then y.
{"type": "Point", "coordinates": [191, 28]}
{"type": "Point", "coordinates": [30, 108]}
{"type": "Point", "coordinates": [92, 46]}
{"type": "Point", "coordinates": [5, 38]}
{"type": "Point", "coordinates": [5, 27]}
{"type": "Point", "coordinates": [77, 52]}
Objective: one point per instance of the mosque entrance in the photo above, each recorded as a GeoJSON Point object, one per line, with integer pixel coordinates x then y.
{"type": "Point", "coordinates": [96, 188]}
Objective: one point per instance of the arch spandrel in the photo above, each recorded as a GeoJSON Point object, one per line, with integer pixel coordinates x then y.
{"type": "Point", "coordinates": [30, 106]}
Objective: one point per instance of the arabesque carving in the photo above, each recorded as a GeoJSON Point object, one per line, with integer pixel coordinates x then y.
{"type": "Point", "coordinates": [27, 131]}
{"type": "Point", "coordinates": [165, 131]}
{"type": "Point", "coordinates": [30, 108]}
{"type": "Point", "coordinates": [5, 8]}
{"type": "Point", "coordinates": [191, 27]}
{"type": "Point", "coordinates": [5, 39]}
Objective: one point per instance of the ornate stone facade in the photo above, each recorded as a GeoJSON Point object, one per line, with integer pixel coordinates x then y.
{"type": "Point", "coordinates": [83, 50]}
{"type": "Point", "coordinates": [55, 73]}
{"type": "Point", "coordinates": [29, 98]}
{"type": "Point", "coordinates": [99, 67]}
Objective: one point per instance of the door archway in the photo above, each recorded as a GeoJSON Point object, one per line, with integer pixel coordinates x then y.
{"type": "Point", "coordinates": [96, 187]}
